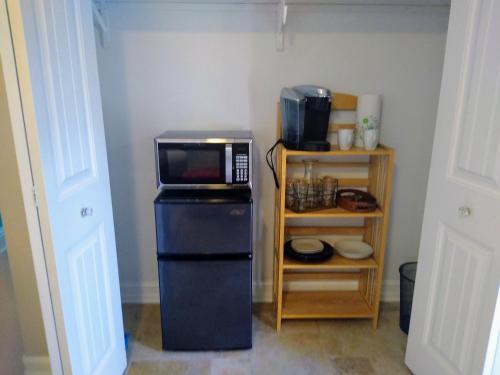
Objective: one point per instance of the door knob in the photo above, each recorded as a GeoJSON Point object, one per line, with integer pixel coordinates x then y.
{"type": "Point", "coordinates": [86, 211]}
{"type": "Point", "coordinates": [464, 211]}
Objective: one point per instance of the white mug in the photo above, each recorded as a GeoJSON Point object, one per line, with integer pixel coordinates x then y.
{"type": "Point", "coordinates": [346, 138]}
{"type": "Point", "coordinates": [370, 139]}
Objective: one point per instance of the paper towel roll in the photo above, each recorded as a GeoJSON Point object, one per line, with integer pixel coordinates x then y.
{"type": "Point", "coordinates": [367, 115]}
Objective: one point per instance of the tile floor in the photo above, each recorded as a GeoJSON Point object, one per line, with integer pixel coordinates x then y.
{"type": "Point", "coordinates": [336, 347]}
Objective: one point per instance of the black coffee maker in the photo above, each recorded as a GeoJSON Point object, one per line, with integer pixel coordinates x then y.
{"type": "Point", "coordinates": [305, 117]}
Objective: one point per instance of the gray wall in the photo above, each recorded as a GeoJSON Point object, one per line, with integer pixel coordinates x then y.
{"type": "Point", "coordinates": [216, 67]}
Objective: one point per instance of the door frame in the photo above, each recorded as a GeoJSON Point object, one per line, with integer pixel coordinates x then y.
{"type": "Point", "coordinates": [23, 124]}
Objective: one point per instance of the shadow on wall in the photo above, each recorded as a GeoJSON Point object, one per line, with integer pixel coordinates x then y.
{"type": "Point", "coordinates": [199, 66]}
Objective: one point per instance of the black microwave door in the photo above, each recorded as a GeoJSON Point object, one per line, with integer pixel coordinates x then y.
{"type": "Point", "coordinates": [192, 163]}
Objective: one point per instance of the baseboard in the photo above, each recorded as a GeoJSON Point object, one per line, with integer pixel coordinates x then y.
{"type": "Point", "coordinates": [140, 292]}
{"type": "Point", "coordinates": [262, 291]}
{"type": "Point", "coordinates": [390, 291]}
{"type": "Point", "coordinates": [36, 365]}
{"type": "Point", "coordinates": [149, 293]}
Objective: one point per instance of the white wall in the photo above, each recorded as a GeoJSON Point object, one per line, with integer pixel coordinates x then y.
{"type": "Point", "coordinates": [25, 309]}
{"type": "Point", "coordinates": [10, 338]}
{"type": "Point", "coordinates": [216, 67]}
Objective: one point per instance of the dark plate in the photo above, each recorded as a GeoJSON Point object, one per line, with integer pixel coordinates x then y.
{"type": "Point", "coordinates": [309, 258]}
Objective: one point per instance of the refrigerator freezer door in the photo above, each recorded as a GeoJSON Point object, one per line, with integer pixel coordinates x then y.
{"type": "Point", "coordinates": [206, 305]}
{"type": "Point", "coordinates": [203, 227]}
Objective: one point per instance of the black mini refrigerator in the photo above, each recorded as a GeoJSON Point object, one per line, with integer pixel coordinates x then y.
{"type": "Point", "coordinates": [204, 241]}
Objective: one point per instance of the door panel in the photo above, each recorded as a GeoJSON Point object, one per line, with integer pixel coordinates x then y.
{"type": "Point", "coordinates": [67, 141]}
{"type": "Point", "coordinates": [476, 159]}
{"type": "Point", "coordinates": [459, 259]}
{"type": "Point", "coordinates": [90, 288]}
{"type": "Point", "coordinates": [455, 296]}
{"type": "Point", "coordinates": [71, 131]}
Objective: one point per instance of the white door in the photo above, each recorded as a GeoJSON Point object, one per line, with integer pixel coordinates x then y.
{"type": "Point", "coordinates": [458, 272]}
{"type": "Point", "coordinates": [55, 52]}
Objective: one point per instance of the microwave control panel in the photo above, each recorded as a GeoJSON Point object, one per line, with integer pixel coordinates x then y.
{"type": "Point", "coordinates": [241, 162]}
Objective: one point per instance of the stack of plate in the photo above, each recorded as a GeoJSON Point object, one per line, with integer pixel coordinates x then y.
{"type": "Point", "coordinates": [308, 250]}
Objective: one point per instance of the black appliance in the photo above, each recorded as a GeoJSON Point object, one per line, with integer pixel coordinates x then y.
{"type": "Point", "coordinates": [305, 115]}
{"type": "Point", "coordinates": [204, 240]}
{"type": "Point", "coordinates": [204, 160]}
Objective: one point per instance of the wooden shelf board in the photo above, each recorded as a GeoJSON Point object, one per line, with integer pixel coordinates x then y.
{"type": "Point", "coordinates": [333, 128]}
{"type": "Point", "coordinates": [327, 164]}
{"type": "Point", "coordinates": [335, 151]}
{"type": "Point", "coordinates": [324, 230]}
{"type": "Point", "coordinates": [336, 262]}
{"type": "Point", "coordinates": [318, 305]}
{"type": "Point", "coordinates": [353, 182]}
{"type": "Point", "coordinates": [334, 212]}
{"type": "Point", "coordinates": [344, 102]}
{"type": "Point", "coordinates": [315, 275]}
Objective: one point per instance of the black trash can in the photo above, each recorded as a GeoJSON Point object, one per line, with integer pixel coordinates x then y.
{"type": "Point", "coordinates": [407, 272]}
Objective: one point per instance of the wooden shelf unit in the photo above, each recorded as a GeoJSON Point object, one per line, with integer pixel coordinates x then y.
{"type": "Point", "coordinates": [364, 301]}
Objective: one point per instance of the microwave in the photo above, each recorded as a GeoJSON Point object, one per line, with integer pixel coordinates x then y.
{"type": "Point", "coordinates": [204, 160]}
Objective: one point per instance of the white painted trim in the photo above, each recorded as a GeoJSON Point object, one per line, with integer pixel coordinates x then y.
{"type": "Point", "coordinates": [139, 292]}
{"type": "Point", "coordinates": [262, 291]}
{"type": "Point", "coordinates": [16, 74]}
{"type": "Point", "coordinates": [390, 291]}
{"type": "Point", "coordinates": [36, 365]}
{"type": "Point", "coordinates": [149, 292]}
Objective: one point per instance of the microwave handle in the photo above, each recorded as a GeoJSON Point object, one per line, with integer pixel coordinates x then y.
{"type": "Point", "coordinates": [229, 163]}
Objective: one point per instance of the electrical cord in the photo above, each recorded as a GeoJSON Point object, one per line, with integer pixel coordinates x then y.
{"type": "Point", "coordinates": [270, 161]}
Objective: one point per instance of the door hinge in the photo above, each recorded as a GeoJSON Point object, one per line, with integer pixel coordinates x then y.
{"type": "Point", "coordinates": [101, 19]}
{"type": "Point", "coordinates": [35, 198]}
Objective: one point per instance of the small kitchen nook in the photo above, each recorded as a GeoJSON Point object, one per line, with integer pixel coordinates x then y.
{"type": "Point", "coordinates": [236, 187]}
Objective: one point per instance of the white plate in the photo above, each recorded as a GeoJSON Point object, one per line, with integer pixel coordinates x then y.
{"type": "Point", "coordinates": [307, 245]}
{"type": "Point", "coordinates": [353, 249]}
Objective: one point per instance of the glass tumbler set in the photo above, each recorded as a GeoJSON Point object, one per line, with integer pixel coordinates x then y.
{"type": "Point", "coordinates": [310, 193]}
